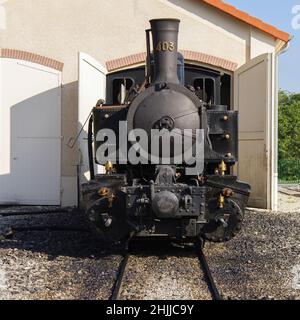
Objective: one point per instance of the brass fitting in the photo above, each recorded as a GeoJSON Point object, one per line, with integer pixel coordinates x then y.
{"type": "Point", "coordinates": [178, 175]}
{"type": "Point", "coordinates": [227, 136]}
{"type": "Point", "coordinates": [227, 193]}
{"type": "Point", "coordinates": [221, 201]}
{"type": "Point", "coordinates": [222, 168]}
{"type": "Point", "coordinates": [103, 192]}
{"type": "Point", "coordinates": [109, 167]}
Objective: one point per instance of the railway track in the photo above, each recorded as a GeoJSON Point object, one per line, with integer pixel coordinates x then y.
{"type": "Point", "coordinates": [119, 282]}
{"type": "Point", "coordinates": [208, 275]}
{"type": "Point", "coordinates": [203, 267]}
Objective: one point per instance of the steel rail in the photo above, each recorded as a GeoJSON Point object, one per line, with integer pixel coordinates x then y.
{"type": "Point", "coordinates": [115, 295]}
{"type": "Point", "coordinates": [208, 275]}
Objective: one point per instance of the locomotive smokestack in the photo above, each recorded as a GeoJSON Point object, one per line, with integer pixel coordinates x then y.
{"type": "Point", "coordinates": [165, 48]}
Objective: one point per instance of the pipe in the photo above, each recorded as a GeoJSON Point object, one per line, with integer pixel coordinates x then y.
{"type": "Point", "coordinates": [90, 148]}
{"type": "Point", "coordinates": [165, 48]}
{"type": "Point", "coordinates": [148, 62]}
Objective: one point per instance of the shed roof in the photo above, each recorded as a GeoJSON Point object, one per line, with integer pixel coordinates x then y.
{"type": "Point", "coordinates": [243, 16]}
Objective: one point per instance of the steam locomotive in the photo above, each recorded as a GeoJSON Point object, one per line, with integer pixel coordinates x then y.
{"type": "Point", "coordinates": [180, 199]}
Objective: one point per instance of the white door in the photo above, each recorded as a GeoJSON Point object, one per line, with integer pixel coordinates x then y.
{"type": "Point", "coordinates": [30, 133]}
{"type": "Point", "coordinates": [92, 87]}
{"type": "Point", "coordinates": [254, 90]}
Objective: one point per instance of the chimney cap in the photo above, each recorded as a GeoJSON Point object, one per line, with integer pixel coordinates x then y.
{"type": "Point", "coordinates": [165, 19]}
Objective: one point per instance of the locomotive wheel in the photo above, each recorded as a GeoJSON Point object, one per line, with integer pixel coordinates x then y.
{"type": "Point", "coordinates": [108, 225]}
{"type": "Point", "coordinates": [232, 215]}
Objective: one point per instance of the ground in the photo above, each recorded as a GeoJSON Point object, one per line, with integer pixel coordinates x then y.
{"type": "Point", "coordinates": [262, 262]}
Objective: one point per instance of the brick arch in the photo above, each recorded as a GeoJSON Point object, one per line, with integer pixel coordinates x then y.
{"type": "Point", "coordinates": [193, 56]}
{"type": "Point", "coordinates": [31, 57]}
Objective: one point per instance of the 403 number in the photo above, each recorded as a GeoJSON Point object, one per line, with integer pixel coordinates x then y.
{"type": "Point", "coordinates": [165, 46]}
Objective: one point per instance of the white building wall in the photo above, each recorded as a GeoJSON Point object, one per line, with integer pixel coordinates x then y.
{"type": "Point", "coordinates": [260, 43]}
{"type": "Point", "coordinates": [111, 29]}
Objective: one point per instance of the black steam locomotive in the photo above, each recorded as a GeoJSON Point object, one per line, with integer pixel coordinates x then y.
{"type": "Point", "coordinates": [150, 198]}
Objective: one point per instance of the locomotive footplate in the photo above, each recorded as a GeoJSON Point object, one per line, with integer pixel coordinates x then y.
{"type": "Point", "coordinates": [179, 210]}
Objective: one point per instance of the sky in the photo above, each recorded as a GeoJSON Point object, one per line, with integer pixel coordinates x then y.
{"type": "Point", "coordinates": [279, 13]}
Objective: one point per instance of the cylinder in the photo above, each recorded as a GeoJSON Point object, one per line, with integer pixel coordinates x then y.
{"type": "Point", "coordinates": [165, 49]}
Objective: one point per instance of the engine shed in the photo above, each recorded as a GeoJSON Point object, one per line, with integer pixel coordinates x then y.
{"type": "Point", "coordinates": [58, 58]}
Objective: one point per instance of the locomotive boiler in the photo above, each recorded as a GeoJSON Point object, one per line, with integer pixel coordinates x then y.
{"type": "Point", "coordinates": [145, 193]}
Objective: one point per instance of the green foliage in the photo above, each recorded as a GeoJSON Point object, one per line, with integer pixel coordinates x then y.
{"type": "Point", "coordinates": [289, 170]}
{"type": "Point", "coordinates": [289, 136]}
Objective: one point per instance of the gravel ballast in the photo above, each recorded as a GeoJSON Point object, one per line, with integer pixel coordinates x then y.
{"type": "Point", "coordinates": [262, 262]}
{"type": "Point", "coordinates": [167, 277]}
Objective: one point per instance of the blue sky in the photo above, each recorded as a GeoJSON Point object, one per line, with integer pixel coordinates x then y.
{"type": "Point", "coordinates": [279, 14]}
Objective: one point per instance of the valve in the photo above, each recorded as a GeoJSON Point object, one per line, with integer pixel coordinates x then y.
{"type": "Point", "coordinates": [109, 167]}
{"type": "Point", "coordinates": [221, 201]}
{"type": "Point", "coordinates": [221, 169]}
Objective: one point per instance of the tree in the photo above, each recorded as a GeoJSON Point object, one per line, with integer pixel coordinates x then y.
{"type": "Point", "coordinates": [289, 136]}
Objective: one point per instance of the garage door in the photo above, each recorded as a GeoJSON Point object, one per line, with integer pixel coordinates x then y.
{"type": "Point", "coordinates": [92, 87]}
{"type": "Point", "coordinates": [30, 133]}
{"type": "Point", "coordinates": [253, 100]}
